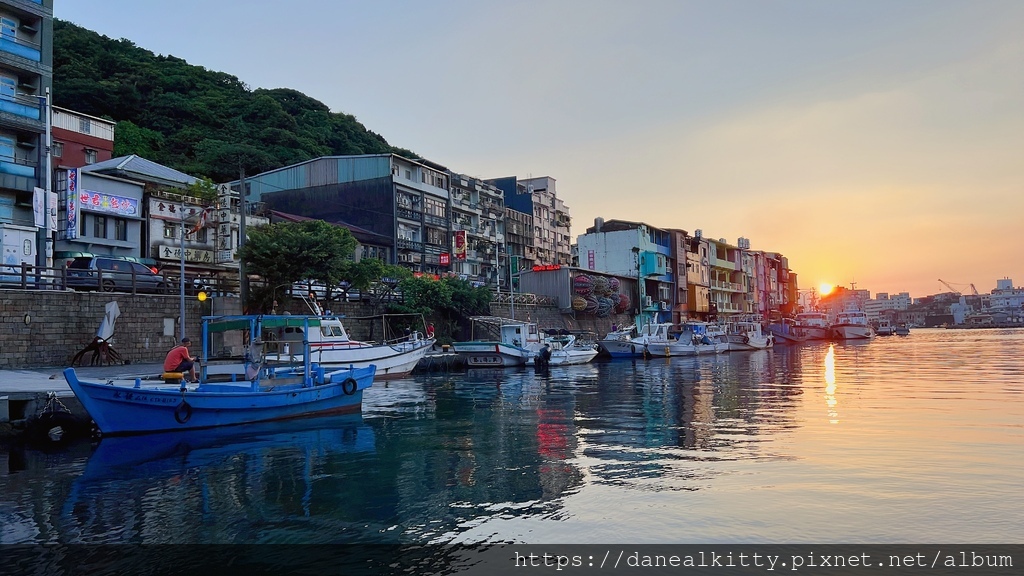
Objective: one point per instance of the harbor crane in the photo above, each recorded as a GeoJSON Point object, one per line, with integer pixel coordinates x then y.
{"type": "Point", "coordinates": [974, 291]}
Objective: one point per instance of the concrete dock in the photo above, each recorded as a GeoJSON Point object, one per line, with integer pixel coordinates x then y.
{"type": "Point", "coordinates": [23, 393]}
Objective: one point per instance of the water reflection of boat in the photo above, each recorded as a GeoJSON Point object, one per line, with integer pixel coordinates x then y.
{"type": "Point", "coordinates": [117, 455]}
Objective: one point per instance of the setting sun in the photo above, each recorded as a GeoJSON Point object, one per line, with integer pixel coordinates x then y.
{"type": "Point", "coordinates": [824, 288]}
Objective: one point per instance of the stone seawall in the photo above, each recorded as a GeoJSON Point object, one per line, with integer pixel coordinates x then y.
{"type": "Point", "coordinates": [45, 329]}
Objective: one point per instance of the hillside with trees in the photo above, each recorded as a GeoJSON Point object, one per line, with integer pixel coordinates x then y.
{"type": "Point", "coordinates": [199, 121]}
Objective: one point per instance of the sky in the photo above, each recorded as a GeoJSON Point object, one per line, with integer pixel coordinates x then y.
{"type": "Point", "coordinates": [875, 143]}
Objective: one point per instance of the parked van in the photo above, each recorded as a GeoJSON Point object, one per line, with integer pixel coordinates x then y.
{"type": "Point", "coordinates": [111, 274]}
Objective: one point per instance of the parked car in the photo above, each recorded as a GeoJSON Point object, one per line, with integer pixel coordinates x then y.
{"type": "Point", "coordinates": [112, 274]}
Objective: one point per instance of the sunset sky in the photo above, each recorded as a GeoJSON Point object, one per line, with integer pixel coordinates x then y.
{"type": "Point", "coordinates": [877, 142]}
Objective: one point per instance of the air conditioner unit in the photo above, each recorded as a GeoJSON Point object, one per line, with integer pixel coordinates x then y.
{"type": "Point", "coordinates": [663, 305]}
{"type": "Point", "coordinates": [648, 301]}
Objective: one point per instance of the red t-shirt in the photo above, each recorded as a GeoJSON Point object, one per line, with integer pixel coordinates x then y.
{"type": "Point", "coordinates": [175, 357]}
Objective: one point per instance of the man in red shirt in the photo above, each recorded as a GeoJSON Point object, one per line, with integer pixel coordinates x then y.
{"type": "Point", "coordinates": [179, 360]}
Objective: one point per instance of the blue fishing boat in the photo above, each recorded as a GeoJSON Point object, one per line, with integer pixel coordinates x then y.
{"type": "Point", "coordinates": [256, 391]}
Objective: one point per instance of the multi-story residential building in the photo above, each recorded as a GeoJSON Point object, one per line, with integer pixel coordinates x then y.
{"type": "Point", "coordinates": [698, 276]}
{"type": "Point", "coordinates": [634, 250]}
{"type": "Point", "coordinates": [478, 223]}
{"type": "Point", "coordinates": [729, 282]}
{"type": "Point", "coordinates": [681, 299]}
{"type": "Point", "coordinates": [520, 251]}
{"type": "Point", "coordinates": [551, 222]}
{"type": "Point", "coordinates": [771, 296]}
{"type": "Point", "coordinates": [405, 200]}
{"type": "Point", "coordinates": [79, 139]}
{"type": "Point", "coordinates": [884, 304]}
{"type": "Point", "coordinates": [26, 72]}
{"type": "Point", "coordinates": [1006, 298]}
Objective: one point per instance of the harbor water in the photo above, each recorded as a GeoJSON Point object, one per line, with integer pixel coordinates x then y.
{"type": "Point", "coordinates": [896, 440]}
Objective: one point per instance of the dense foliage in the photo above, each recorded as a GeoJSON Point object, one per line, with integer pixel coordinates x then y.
{"type": "Point", "coordinates": [287, 252]}
{"type": "Point", "coordinates": [447, 302]}
{"type": "Point", "coordinates": [196, 120]}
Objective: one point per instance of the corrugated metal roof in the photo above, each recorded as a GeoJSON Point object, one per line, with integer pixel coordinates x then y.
{"type": "Point", "coordinates": [138, 168]}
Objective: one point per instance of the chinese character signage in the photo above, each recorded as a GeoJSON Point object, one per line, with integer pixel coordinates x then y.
{"type": "Point", "coordinates": [107, 203]}
{"type": "Point", "coordinates": [460, 244]}
{"type": "Point", "coordinates": [72, 207]}
{"type": "Point", "coordinates": [445, 259]}
{"type": "Point", "coordinates": [167, 252]}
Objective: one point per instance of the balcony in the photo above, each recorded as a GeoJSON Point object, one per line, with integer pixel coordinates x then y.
{"type": "Point", "coordinates": [409, 214]}
{"type": "Point", "coordinates": [24, 106]}
{"type": "Point", "coordinates": [404, 243]}
{"type": "Point", "coordinates": [21, 48]}
{"type": "Point", "coordinates": [17, 167]}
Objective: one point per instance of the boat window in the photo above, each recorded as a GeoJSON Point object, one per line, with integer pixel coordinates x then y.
{"type": "Point", "coordinates": [325, 330]}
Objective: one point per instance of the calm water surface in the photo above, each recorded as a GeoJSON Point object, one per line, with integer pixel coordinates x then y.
{"type": "Point", "coordinates": [916, 439]}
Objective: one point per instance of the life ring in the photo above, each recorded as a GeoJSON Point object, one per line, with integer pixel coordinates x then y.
{"type": "Point", "coordinates": [746, 340]}
{"type": "Point", "coordinates": [349, 386]}
{"type": "Point", "coordinates": [183, 412]}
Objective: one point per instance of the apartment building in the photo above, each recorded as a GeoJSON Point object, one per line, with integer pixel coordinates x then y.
{"type": "Point", "coordinates": [478, 224]}
{"type": "Point", "coordinates": [79, 139]}
{"type": "Point", "coordinates": [551, 222]}
{"type": "Point", "coordinates": [26, 72]}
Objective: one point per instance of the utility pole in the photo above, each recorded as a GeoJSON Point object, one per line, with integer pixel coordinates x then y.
{"type": "Point", "coordinates": [243, 278]}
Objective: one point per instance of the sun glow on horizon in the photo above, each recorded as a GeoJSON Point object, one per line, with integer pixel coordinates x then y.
{"type": "Point", "coordinates": [824, 288]}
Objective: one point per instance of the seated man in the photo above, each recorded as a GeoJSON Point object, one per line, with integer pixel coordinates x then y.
{"type": "Point", "coordinates": [179, 360]}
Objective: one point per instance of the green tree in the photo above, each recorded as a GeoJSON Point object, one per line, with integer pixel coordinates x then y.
{"type": "Point", "coordinates": [445, 302]}
{"type": "Point", "coordinates": [289, 252]}
{"type": "Point", "coordinates": [199, 121]}
{"type": "Point", "coordinates": [131, 139]}
{"type": "Point", "coordinates": [204, 189]}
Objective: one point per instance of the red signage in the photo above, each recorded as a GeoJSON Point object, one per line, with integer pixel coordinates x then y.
{"type": "Point", "coordinates": [547, 267]}
{"type": "Point", "coordinates": [460, 244]}
{"type": "Point", "coordinates": [445, 259]}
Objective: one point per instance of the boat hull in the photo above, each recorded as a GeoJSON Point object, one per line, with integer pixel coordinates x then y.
{"type": "Point", "coordinates": [621, 348]}
{"type": "Point", "coordinates": [391, 360]}
{"type": "Point", "coordinates": [668, 349]}
{"type": "Point", "coordinates": [567, 357]}
{"type": "Point", "coordinates": [491, 354]}
{"type": "Point", "coordinates": [132, 410]}
{"type": "Point", "coordinates": [852, 332]}
{"type": "Point", "coordinates": [811, 332]}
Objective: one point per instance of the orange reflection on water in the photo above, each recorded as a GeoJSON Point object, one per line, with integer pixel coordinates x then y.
{"type": "Point", "coordinates": [830, 384]}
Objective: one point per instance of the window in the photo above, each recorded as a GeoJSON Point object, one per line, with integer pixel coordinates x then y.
{"type": "Point", "coordinates": [170, 231]}
{"type": "Point", "coordinates": [84, 126]}
{"type": "Point", "coordinates": [99, 226]}
{"type": "Point", "coordinates": [8, 27]}
{"type": "Point", "coordinates": [201, 235]}
{"type": "Point", "coordinates": [408, 175]}
{"type": "Point", "coordinates": [6, 148]}
{"type": "Point", "coordinates": [90, 156]}
{"type": "Point", "coordinates": [120, 229]}
{"type": "Point", "coordinates": [81, 228]}
{"type": "Point", "coordinates": [8, 87]}
{"type": "Point", "coordinates": [57, 149]}
{"type": "Point", "coordinates": [435, 207]}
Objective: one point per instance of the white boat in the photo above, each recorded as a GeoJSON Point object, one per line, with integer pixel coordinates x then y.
{"type": "Point", "coordinates": [622, 344]}
{"type": "Point", "coordinates": [618, 341]}
{"type": "Point", "coordinates": [852, 325]}
{"type": "Point", "coordinates": [696, 338]}
{"type": "Point", "coordinates": [747, 335]}
{"type": "Point", "coordinates": [811, 326]}
{"type": "Point", "coordinates": [563, 350]}
{"type": "Point", "coordinates": [884, 328]}
{"type": "Point", "coordinates": [502, 342]}
{"type": "Point", "coordinates": [330, 346]}
{"type": "Point", "coordinates": [902, 329]}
